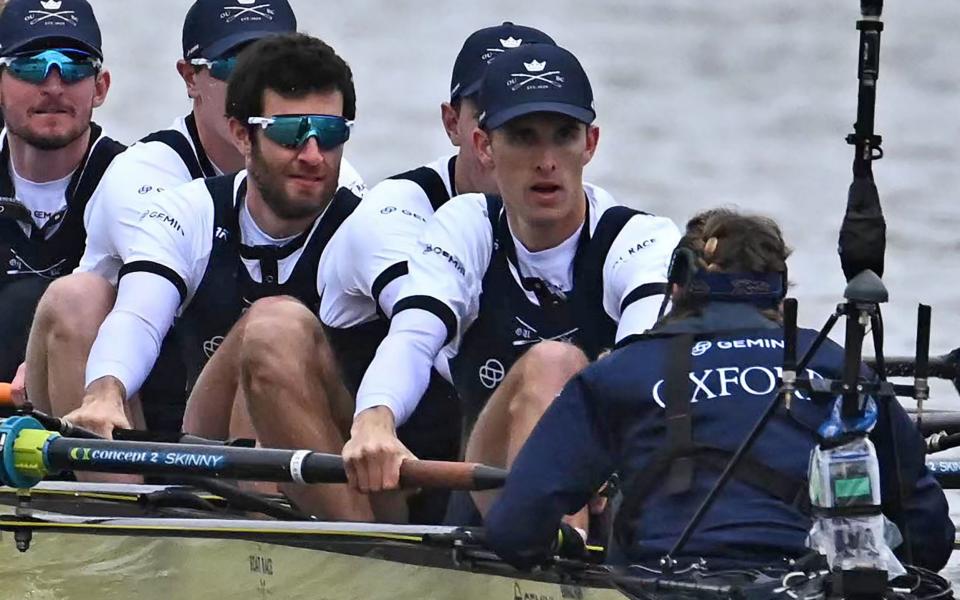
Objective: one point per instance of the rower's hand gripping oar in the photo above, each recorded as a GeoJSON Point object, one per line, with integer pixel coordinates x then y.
{"type": "Point", "coordinates": [61, 426]}
{"type": "Point", "coordinates": [28, 453]}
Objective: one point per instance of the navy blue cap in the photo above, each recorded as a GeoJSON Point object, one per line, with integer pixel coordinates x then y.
{"type": "Point", "coordinates": [214, 27]}
{"type": "Point", "coordinates": [35, 24]}
{"type": "Point", "coordinates": [482, 47]}
{"type": "Point", "coordinates": [535, 78]}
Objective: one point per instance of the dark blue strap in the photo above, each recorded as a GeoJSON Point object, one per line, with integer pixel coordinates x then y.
{"type": "Point", "coordinates": [430, 182]}
{"type": "Point", "coordinates": [177, 142]}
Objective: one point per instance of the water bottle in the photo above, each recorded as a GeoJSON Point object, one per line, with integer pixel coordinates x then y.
{"type": "Point", "coordinates": [848, 477]}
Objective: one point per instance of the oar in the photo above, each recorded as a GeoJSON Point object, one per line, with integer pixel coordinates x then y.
{"type": "Point", "coordinates": [6, 394]}
{"type": "Point", "coordinates": [946, 471]}
{"type": "Point", "coordinates": [946, 366]}
{"type": "Point", "coordinates": [37, 453]}
{"type": "Point", "coordinates": [937, 421]}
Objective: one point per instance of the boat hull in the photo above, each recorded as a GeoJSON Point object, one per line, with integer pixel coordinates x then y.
{"type": "Point", "coordinates": [79, 566]}
{"type": "Point", "coordinates": [95, 544]}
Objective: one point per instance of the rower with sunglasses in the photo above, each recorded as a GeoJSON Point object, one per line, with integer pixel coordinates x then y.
{"type": "Point", "coordinates": [197, 145]}
{"type": "Point", "coordinates": [516, 292]}
{"type": "Point", "coordinates": [52, 156]}
{"type": "Point", "coordinates": [236, 259]}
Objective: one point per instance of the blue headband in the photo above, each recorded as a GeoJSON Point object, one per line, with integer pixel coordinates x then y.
{"type": "Point", "coordinates": [765, 290]}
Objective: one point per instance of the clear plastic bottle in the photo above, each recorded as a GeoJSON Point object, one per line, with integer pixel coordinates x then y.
{"type": "Point", "coordinates": [848, 476]}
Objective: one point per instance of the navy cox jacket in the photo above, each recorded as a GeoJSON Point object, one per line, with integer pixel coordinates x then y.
{"type": "Point", "coordinates": [610, 418]}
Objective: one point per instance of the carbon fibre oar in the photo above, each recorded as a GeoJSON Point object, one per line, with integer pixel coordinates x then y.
{"type": "Point", "coordinates": [947, 421]}
{"type": "Point", "coordinates": [29, 452]}
{"type": "Point", "coordinates": [946, 471]}
{"type": "Point", "coordinates": [946, 366]}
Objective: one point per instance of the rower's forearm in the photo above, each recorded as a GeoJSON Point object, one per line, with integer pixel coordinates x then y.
{"type": "Point", "coordinates": [105, 388]}
{"type": "Point", "coordinates": [415, 339]}
{"type": "Point", "coordinates": [129, 339]}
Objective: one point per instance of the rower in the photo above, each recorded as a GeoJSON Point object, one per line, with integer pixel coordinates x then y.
{"type": "Point", "coordinates": [511, 295]}
{"type": "Point", "coordinates": [397, 209]}
{"type": "Point", "coordinates": [237, 258]}
{"type": "Point", "coordinates": [668, 409]}
{"type": "Point", "coordinates": [52, 156]}
{"type": "Point", "coordinates": [366, 284]}
{"type": "Point", "coordinates": [194, 146]}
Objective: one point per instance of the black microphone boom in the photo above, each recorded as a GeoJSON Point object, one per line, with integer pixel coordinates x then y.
{"type": "Point", "coordinates": [863, 234]}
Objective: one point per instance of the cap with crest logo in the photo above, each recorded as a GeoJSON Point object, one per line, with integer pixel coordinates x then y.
{"type": "Point", "coordinates": [213, 28]}
{"type": "Point", "coordinates": [27, 25]}
{"type": "Point", "coordinates": [531, 79]}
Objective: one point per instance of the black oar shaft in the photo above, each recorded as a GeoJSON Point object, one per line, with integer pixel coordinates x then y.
{"type": "Point", "coordinates": [254, 464]}
{"type": "Point", "coordinates": [107, 456]}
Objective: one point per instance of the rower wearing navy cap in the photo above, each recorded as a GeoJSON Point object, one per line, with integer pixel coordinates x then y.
{"type": "Point", "coordinates": [512, 294]}
{"type": "Point", "coordinates": [398, 208]}
{"type": "Point", "coordinates": [194, 146]}
{"type": "Point", "coordinates": [668, 409]}
{"type": "Point", "coordinates": [52, 156]}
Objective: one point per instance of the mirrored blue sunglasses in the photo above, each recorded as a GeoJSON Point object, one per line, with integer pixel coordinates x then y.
{"type": "Point", "coordinates": [74, 65]}
{"type": "Point", "coordinates": [220, 68]}
{"type": "Point", "coordinates": [293, 131]}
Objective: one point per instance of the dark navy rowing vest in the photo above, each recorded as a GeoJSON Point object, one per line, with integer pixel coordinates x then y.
{"type": "Point", "coordinates": [508, 323]}
{"type": "Point", "coordinates": [227, 289]}
{"type": "Point", "coordinates": [194, 157]}
{"type": "Point", "coordinates": [36, 255]}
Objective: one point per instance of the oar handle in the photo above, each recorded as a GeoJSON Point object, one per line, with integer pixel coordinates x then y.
{"type": "Point", "coordinates": [450, 475]}
{"type": "Point", "coordinates": [6, 394]}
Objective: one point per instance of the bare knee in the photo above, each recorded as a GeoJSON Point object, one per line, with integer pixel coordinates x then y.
{"type": "Point", "coordinates": [73, 307]}
{"type": "Point", "coordinates": [552, 362]}
{"type": "Point", "coordinates": [276, 332]}
{"type": "Point", "coordinates": [543, 371]}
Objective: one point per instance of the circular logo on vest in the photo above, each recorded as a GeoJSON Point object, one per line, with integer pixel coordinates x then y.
{"type": "Point", "coordinates": [700, 348]}
{"type": "Point", "coordinates": [492, 373]}
{"type": "Point", "coordinates": [210, 346]}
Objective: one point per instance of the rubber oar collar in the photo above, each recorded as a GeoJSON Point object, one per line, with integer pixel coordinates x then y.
{"type": "Point", "coordinates": [23, 441]}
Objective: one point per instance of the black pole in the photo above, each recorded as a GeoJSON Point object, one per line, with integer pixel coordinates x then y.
{"type": "Point", "coordinates": [863, 233]}
{"type": "Point", "coordinates": [254, 464]}
{"type": "Point", "coordinates": [922, 361]}
{"type": "Point", "coordinates": [868, 71]}
{"type": "Point", "coordinates": [853, 350]}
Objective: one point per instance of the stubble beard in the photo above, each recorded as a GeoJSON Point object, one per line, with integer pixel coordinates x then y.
{"type": "Point", "coordinates": [271, 190]}
{"type": "Point", "coordinates": [49, 142]}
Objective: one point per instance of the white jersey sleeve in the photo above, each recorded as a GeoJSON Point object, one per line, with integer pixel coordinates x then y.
{"type": "Point", "coordinates": [113, 212]}
{"type": "Point", "coordinates": [173, 237]}
{"type": "Point", "coordinates": [372, 266]}
{"type": "Point", "coordinates": [164, 257]}
{"type": "Point", "coordinates": [129, 339]}
{"type": "Point", "coordinates": [635, 272]}
{"type": "Point", "coordinates": [437, 303]}
{"type": "Point", "coordinates": [447, 265]}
